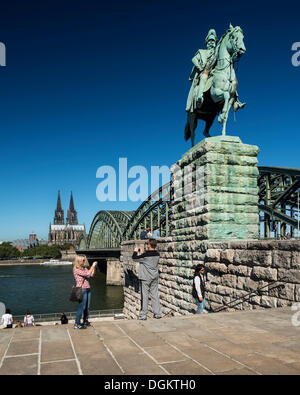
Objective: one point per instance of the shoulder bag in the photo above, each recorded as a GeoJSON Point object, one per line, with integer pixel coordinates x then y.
{"type": "Point", "coordinates": [76, 293]}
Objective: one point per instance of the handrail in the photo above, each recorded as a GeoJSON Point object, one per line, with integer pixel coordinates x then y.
{"type": "Point", "coordinates": [242, 298]}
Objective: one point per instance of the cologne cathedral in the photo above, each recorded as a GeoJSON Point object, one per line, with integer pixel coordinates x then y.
{"type": "Point", "coordinates": [69, 232]}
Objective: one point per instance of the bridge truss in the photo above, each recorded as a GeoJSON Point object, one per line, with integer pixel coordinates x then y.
{"type": "Point", "coordinates": [279, 199]}
{"type": "Point", "coordinates": [106, 230]}
{"type": "Point", "coordinates": [278, 205]}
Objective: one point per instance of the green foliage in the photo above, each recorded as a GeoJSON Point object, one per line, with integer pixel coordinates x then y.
{"type": "Point", "coordinates": [66, 246]}
{"type": "Point", "coordinates": [8, 251]}
{"type": "Point", "coordinates": [43, 251]}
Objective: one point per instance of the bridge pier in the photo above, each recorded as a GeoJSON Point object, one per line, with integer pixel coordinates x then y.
{"type": "Point", "coordinates": [113, 272]}
{"type": "Point", "coordinates": [215, 191]}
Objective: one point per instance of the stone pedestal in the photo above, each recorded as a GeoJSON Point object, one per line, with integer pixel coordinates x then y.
{"type": "Point", "coordinates": [215, 191]}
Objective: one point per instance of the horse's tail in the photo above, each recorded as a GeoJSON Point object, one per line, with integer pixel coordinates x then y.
{"type": "Point", "coordinates": [187, 131]}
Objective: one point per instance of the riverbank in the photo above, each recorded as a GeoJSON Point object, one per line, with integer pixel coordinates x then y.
{"type": "Point", "coordinates": [20, 262]}
{"type": "Point", "coordinates": [24, 262]}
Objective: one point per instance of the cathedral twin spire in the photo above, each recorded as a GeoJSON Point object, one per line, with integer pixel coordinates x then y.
{"type": "Point", "coordinates": [71, 218]}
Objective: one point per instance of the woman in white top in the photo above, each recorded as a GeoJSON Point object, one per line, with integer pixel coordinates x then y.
{"type": "Point", "coordinates": [28, 319]}
{"type": "Point", "coordinates": [7, 319]}
{"type": "Point", "coordinates": [199, 288]}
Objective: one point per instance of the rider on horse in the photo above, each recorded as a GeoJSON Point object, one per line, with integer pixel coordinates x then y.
{"type": "Point", "coordinates": [204, 62]}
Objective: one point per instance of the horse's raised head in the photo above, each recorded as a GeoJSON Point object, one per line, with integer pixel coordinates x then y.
{"type": "Point", "coordinates": [236, 39]}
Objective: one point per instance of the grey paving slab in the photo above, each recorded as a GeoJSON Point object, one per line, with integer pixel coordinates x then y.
{"type": "Point", "coordinates": [5, 336]}
{"type": "Point", "coordinates": [145, 338]}
{"type": "Point", "coordinates": [3, 348]}
{"type": "Point", "coordinates": [59, 368]}
{"type": "Point", "coordinates": [266, 365]}
{"type": "Point", "coordinates": [188, 365]}
{"type": "Point", "coordinates": [228, 348]}
{"type": "Point", "coordinates": [129, 325]}
{"type": "Point", "coordinates": [23, 365]}
{"type": "Point", "coordinates": [87, 343]}
{"type": "Point", "coordinates": [211, 359]}
{"type": "Point", "coordinates": [27, 333]}
{"type": "Point", "coordinates": [122, 346]}
{"type": "Point", "coordinates": [54, 334]}
{"type": "Point", "coordinates": [139, 363]}
{"type": "Point", "coordinates": [239, 372]}
{"type": "Point", "coordinates": [108, 331]}
{"type": "Point", "coordinates": [164, 354]}
{"type": "Point", "coordinates": [162, 325]}
{"type": "Point", "coordinates": [56, 351]}
{"type": "Point", "coordinates": [23, 347]}
{"type": "Point", "coordinates": [178, 339]}
{"type": "Point", "coordinates": [103, 364]}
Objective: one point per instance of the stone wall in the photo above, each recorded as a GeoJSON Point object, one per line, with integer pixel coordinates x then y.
{"type": "Point", "coordinates": [234, 269]}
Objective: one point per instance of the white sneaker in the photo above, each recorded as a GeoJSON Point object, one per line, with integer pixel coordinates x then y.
{"type": "Point", "coordinates": [79, 326]}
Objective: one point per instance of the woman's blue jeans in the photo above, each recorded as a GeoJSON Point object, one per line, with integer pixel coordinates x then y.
{"type": "Point", "coordinates": [200, 305]}
{"type": "Point", "coordinates": [84, 306]}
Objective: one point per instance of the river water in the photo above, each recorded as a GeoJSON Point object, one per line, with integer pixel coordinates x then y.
{"type": "Point", "coordinates": [46, 289]}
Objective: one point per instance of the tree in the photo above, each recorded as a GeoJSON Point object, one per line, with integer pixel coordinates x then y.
{"type": "Point", "coordinates": [8, 251]}
{"type": "Point", "coordinates": [43, 251]}
{"type": "Point", "coordinates": [66, 246]}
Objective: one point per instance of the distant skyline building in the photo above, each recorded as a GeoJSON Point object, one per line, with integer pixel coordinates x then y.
{"type": "Point", "coordinates": [69, 232]}
{"type": "Point", "coordinates": [33, 241]}
{"type": "Point", "coordinates": [32, 236]}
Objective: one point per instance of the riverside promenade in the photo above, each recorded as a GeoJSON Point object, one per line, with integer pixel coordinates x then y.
{"type": "Point", "coordinates": [257, 342]}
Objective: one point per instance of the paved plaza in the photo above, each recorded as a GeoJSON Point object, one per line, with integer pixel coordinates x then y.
{"type": "Point", "coordinates": [256, 342]}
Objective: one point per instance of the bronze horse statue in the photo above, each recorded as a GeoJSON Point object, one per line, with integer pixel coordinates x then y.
{"type": "Point", "coordinates": [220, 92]}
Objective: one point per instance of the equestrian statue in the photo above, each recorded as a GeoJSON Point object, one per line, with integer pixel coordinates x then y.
{"type": "Point", "coordinates": [214, 82]}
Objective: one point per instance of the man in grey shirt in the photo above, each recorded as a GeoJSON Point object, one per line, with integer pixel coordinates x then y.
{"type": "Point", "coordinates": [148, 276]}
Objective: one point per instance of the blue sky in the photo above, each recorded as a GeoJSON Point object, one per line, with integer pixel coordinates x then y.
{"type": "Point", "coordinates": [87, 83]}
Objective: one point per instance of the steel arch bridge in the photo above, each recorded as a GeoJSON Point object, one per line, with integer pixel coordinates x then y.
{"type": "Point", "coordinates": [107, 229]}
{"type": "Point", "coordinates": [278, 204]}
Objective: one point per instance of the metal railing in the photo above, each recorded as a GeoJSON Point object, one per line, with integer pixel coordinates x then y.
{"type": "Point", "coordinates": [249, 295]}
{"type": "Point", "coordinates": [70, 315]}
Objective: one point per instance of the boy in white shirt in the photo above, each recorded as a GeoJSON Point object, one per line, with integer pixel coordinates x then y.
{"type": "Point", "coordinates": [7, 319]}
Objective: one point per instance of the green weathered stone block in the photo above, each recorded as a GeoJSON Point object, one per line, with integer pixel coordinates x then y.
{"type": "Point", "coordinates": [231, 171]}
{"type": "Point", "coordinates": [220, 191]}
{"type": "Point", "coordinates": [235, 160]}
{"type": "Point", "coordinates": [230, 199]}
{"type": "Point", "coordinates": [231, 218]}
{"type": "Point", "coordinates": [232, 231]}
{"type": "Point", "coordinates": [231, 181]}
{"type": "Point", "coordinates": [229, 189]}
